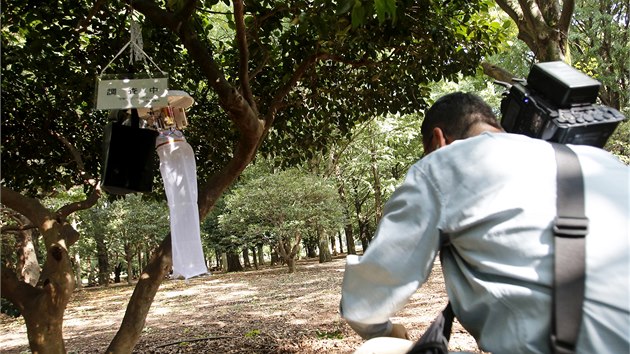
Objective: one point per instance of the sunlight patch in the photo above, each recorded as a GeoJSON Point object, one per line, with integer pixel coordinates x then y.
{"type": "Point", "coordinates": [298, 322]}
{"type": "Point", "coordinates": [161, 311]}
{"type": "Point", "coordinates": [230, 296]}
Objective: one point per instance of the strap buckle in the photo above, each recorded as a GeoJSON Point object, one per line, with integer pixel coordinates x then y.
{"type": "Point", "coordinates": [560, 347]}
{"type": "Point", "coordinates": [571, 227]}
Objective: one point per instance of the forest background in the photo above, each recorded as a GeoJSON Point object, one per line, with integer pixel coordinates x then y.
{"type": "Point", "coordinates": [313, 102]}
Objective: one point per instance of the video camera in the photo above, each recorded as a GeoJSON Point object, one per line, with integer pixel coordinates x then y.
{"type": "Point", "coordinates": [556, 104]}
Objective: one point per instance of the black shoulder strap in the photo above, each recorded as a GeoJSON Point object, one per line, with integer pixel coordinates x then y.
{"type": "Point", "coordinates": [435, 338]}
{"type": "Point", "coordinates": [570, 229]}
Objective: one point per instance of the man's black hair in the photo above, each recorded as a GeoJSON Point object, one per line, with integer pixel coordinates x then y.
{"type": "Point", "coordinates": [455, 114]}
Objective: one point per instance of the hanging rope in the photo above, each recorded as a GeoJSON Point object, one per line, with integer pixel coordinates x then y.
{"type": "Point", "coordinates": [135, 51]}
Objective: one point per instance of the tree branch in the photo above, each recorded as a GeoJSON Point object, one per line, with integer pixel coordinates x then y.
{"type": "Point", "coordinates": [513, 9]}
{"type": "Point", "coordinates": [31, 208]}
{"type": "Point", "coordinates": [497, 72]}
{"type": "Point", "coordinates": [243, 48]}
{"type": "Point", "coordinates": [16, 228]}
{"type": "Point", "coordinates": [531, 13]}
{"type": "Point", "coordinates": [77, 158]}
{"type": "Point", "coordinates": [231, 101]}
{"type": "Point", "coordinates": [135, 316]}
{"type": "Point", "coordinates": [186, 11]}
{"type": "Point", "coordinates": [568, 6]}
{"type": "Point", "coordinates": [87, 203]}
{"type": "Point", "coordinates": [276, 102]}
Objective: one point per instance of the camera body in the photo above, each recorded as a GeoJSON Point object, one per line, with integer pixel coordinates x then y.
{"type": "Point", "coordinates": [557, 103]}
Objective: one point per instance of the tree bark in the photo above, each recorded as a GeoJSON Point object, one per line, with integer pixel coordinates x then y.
{"type": "Point", "coordinates": [117, 272]}
{"type": "Point", "coordinates": [352, 249]}
{"type": "Point", "coordinates": [310, 250]}
{"type": "Point", "coordinates": [255, 257]}
{"type": "Point", "coordinates": [340, 242]}
{"type": "Point", "coordinates": [129, 261]}
{"type": "Point", "coordinates": [224, 262]}
{"type": "Point", "coordinates": [291, 265]}
{"type": "Point", "coordinates": [102, 257]}
{"type": "Point", "coordinates": [261, 256]}
{"type": "Point", "coordinates": [43, 305]}
{"type": "Point", "coordinates": [378, 203]}
{"type": "Point", "coordinates": [142, 297]}
{"type": "Point", "coordinates": [289, 252]}
{"type": "Point", "coordinates": [324, 247]}
{"type": "Point", "coordinates": [497, 73]}
{"type": "Point", "coordinates": [234, 262]}
{"type": "Point", "coordinates": [246, 262]}
{"type": "Point", "coordinates": [324, 251]}
{"type": "Point", "coordinates": [27, 267]}
{"type": "Point", "coordinates": [543, 25]}
{"type": "Point", "coordinates": [275, 258]}
{"type": "Point", "coordinates": [342, 197]}
{"type": "Point", "coordinates": [77, 271]}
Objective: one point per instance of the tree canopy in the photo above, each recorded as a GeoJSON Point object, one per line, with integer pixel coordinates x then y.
{"type": "Point", "coordinates": [288, 205]}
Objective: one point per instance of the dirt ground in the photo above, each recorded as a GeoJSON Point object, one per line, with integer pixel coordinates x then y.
{"type": "Point", "coordinates": [257, 311]}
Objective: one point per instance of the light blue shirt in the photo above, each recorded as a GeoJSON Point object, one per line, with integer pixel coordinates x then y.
{"type": "Point", "coordinates": [491, 201]}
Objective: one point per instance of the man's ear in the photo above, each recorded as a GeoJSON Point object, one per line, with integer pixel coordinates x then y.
{"type": "Point", "coordinates": [438, 139]}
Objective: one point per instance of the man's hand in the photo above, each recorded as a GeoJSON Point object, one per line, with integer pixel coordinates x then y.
{"type": "Point", "coordinates": [399, 331]}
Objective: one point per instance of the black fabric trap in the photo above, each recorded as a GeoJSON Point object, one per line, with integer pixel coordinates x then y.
{"type": "Point", "coordinates": [129, 159]}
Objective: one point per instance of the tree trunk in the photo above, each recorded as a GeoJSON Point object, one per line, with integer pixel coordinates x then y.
{"type": "Point", "coordinates": [261, 256]}
{"type": "Point", "coordinates": [349, 231]}
{"type": "Point", "coordinates": [324, 247]}
{"type": "Point", "coordinates": [43, 305]}
{"type": "Point", "coordinates": [324, 252]}
{"type": "Point", "coordinates": [543, 25]}
{"type": "Point", "coordinates": [102, 257]}
{"type": "Point", "coordinates": [275, 259]}
{"type": "Point", "coordinates": [342, 197]}
{"type": "Point", "coordinates": [234, 262]}
{"type": "Point", "coordinates": [27, 267]}
{"type": "Point", "coordinates": [363, 235]}
{"type": "Point", "coordinates": [255, 258]}
{"type": "Point", "coordinates": [287, 252]}
{"type": "Point", "coordinates": [246, 261]}
{"type": "Point", "coordinates": [77, 271]}
{"type": "Point", "coordinates": [291, 264]}
{"type": "Point", "coordinates": [378, 204]}
{"type": "Point", "coordinates": [217, 255]}
{"type": "Point", "coordinates": [311, 250]}
{"type": "Point", "coordinates": [340, 242]}
{"type": "Point", "coordinates": [224, 262]}
{"type": "Point", "coordinates": [92, 274]}
{"type": "Point", "coordinates": [333, 245]}
{"type": "Point", "coordinates": [117, 271]}
{"type": "Point", "coordinates": [148, 283]}
{"type": "Point", "coordinates": [129, 260]}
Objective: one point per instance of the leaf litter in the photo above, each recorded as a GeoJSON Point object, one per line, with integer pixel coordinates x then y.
{"type": "Point", "coordinates": [255, 311]}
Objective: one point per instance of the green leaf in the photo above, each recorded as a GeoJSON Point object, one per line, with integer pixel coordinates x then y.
{"type": "Point", "coordinates": [344, 6]}
{"type": "Point", "coordinates": [358, 15]}
{"type": "Point", "coordinates": [252, 333]}
{"type": "Point", "coordinates": [385, 8]}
